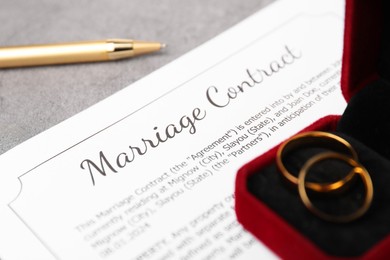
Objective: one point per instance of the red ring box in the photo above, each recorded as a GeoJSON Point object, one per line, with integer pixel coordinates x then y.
{"type": "Point", "coordinates": [364, 26]}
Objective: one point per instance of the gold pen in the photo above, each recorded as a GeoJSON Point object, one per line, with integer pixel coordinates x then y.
{"type": "Point", "coordinates": [76, 52]}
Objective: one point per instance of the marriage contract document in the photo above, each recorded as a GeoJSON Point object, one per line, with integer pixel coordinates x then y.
{"type": "Point", "coordinates": [149, 172]}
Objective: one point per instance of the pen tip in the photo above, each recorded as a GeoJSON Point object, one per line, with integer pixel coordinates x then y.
{"type": "Point", "coordinates": [163, 45]}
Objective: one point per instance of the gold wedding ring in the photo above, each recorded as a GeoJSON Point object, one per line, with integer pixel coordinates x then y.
{"type": "Point", "coordinates": [314, 139]}
{"type": "Point", "coordinates": [357, 169]}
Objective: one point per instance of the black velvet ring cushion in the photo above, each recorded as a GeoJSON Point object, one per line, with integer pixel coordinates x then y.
{"type": "Point", "coordinates": [347, 239]}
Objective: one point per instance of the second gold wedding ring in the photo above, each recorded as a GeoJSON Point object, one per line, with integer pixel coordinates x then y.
{"type": "Point", "coordinates": [357, 169]}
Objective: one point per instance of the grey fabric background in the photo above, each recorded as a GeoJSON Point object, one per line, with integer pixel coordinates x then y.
{"type": "Point", "coordinates": [35, 99]}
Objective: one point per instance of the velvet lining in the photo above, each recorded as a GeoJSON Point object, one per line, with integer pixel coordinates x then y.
{"type": "Point", "coordinates": [347, 240]}
{"type": "Point", "coordinates": [367, 117]}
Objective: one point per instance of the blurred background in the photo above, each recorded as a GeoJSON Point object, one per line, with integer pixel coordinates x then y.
{"type": "Point", "coordinates": [37, 98]}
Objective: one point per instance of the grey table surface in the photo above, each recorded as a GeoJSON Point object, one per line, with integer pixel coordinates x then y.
{"type": "Point", "coordinates": [37, 98]}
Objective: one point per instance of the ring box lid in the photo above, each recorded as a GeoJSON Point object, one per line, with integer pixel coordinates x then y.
{"type": "Point", "coordinates": [362, 44]}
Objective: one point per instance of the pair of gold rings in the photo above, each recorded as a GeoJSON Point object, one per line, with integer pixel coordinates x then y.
{"type": "Point", "coordinates": [340, 150]}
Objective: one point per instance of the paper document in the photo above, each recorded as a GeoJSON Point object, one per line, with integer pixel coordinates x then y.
{"type": "Point", "coordinates": [149, 172]}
